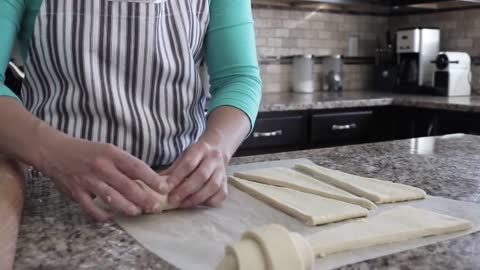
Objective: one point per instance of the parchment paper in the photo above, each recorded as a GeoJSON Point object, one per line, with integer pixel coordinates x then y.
{"type": "Point", "coordinates": [195, 239]}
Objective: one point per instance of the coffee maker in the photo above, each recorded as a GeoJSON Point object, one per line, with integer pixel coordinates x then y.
{"type": "Point", "coordinates": [416, 49]}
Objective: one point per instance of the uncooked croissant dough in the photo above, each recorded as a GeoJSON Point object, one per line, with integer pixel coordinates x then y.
{"type": "Point", "coordinates": [377, 191]}
{"type": "Point", "coordinates": [270, 247]}
{"type": "Point", "coordinates": [274, 248]}
{"type": "Point", "coordinates": [162, 199]}
{"type": "Point", "coordinates": [311, 209]}
{"type": "Point", "coordinates": [395, 225]}
{"type": "Point", "coordinates": [286, 177]}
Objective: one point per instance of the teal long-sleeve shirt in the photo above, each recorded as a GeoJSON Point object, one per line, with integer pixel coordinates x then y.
{"type": "Point", "coordinates": [230, 50]}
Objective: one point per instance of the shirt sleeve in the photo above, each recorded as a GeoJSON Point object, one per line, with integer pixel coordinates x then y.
{"type": "Point", "coordinates": [10, 19]}
{"type": "Point", "coordinates": [232, 58]}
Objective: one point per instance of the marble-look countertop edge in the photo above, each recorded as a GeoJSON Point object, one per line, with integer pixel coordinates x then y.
{"type": "Point", "coordinates": [437, 105]}
{"type": "Point", "coordinates": [324, 105]}
{"type": "Point", "coordinates": [422, 102]}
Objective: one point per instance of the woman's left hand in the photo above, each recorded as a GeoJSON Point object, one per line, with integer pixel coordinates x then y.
{"type": "Point", "coordinates": [198, 176]}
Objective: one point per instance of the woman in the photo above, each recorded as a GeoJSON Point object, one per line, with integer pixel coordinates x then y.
{"type": "Point", "coordinates": [112, 90]}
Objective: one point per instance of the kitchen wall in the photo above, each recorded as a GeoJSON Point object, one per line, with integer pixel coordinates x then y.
{"type": "Point", "coordinates": [283, 32]}
{"type": "Point", "coordinates": [460, 31]}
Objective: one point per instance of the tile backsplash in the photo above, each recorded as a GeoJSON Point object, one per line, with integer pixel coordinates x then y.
{"type": "Point", "coordinates": [287, 32]}
{"type": "Point", "coordinates": [283, 32]}
{"type": "Point", "coordinates": [290, 32]}
{"type": "Point", "coordinates": [276, 77]}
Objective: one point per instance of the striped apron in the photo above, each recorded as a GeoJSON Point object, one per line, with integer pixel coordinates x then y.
{"type": "Point", "coordinates": [124, 72]}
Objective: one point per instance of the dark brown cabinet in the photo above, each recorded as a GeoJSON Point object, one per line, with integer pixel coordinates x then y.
{"type": "Point", "coordinates": [475, 125]}
{"type": "Point", "coordinates": [287, 131]}
{"type": "Point", "coordinates": [414, 122]}
{"type": "Point", "coordinates": [275, 132]}
{"type": "Point", "coordinates": [12, 82]}
{"type": "Point", "coordinates": [458, 122]}
{"type": "Point", "coordinates": [340, 127]}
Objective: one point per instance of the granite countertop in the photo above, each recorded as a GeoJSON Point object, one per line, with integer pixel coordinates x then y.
{"type": "Point", "coordinates": [54, 233]}
{"type": "Point", "coordinates": [351, 99]}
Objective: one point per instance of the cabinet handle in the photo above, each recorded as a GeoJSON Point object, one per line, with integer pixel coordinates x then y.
{"type": "Point", "coordinates": [344, 127]}
{"type": "Point", "coordinates": [17, 72]}
{"type": "Point", "coordinates": [268, 134]}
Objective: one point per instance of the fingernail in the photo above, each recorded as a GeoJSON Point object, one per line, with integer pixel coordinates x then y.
{"type": "Point", "coordinates": [135, 211]}
{"type": "Point", "coordinates": [156, 207]}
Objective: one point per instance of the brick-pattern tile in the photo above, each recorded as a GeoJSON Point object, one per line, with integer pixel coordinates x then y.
{"type": "Point", "coordinates": [291, 32]}
{"type": "Point", "coordinates": [276, 78]}
{"type": "Point", "coordinates": [286, 32]}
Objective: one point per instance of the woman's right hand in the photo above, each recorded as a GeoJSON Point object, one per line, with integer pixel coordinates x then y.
{"type": "Point", "coordinates": [82, 168]}
{"type": "Point", "coordinates": [78, 167]}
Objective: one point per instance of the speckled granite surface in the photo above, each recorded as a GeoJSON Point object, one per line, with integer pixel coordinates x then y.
{"type": "Point", "coordinates": [328, 100]}
{"type": "Point", "coordinates": [55, 235]}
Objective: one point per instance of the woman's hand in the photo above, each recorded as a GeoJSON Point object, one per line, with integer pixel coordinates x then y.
{"type": "Point", "coordinates": [198, 176]}
{"type": "Point", "coordinates": [81, 169]}
{"type": "Point", "coordinates": [78, 167]}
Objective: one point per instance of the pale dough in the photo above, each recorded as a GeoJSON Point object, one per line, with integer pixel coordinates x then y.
{"type": "Point", "coordinates": [395, 225]}
{"type": "Point", "coordinates": [310, 209]}
{"type": "Point", "coordinates": [270, 247]}
{"type": "Point", "coordinates": [377, 191]}
{"type": "Point", "coordinates": [245, 255]}
{"type": "Point", "coordinates": [162, 199]}
{"type": "Point", "coordinates": [278, 247]}
{"type": "Point", "coordinates": [286, 177]}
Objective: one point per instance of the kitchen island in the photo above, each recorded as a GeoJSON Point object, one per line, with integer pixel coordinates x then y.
{"type": "Point", "coordinates": [54, 233]}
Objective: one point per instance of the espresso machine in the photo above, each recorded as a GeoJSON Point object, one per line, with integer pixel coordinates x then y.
{"type": "Point", "coordinates": [453, 75]}
{"type": "Point", "coordinates": [416, 49]}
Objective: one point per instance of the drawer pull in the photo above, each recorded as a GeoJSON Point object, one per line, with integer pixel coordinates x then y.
{"type": "Point", "coordinates": [17, 72]}
{"type": "Point", "coordinates": [267, 134]}
{"type": "Point", "coordinates": [344, 127]}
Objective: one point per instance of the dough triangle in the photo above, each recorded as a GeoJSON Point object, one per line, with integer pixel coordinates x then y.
{"type": "Point", "coordinates": [310, 209]}
{"type": "Point", "coordinates": [286, 177]}
{"type": "Point", "coordinates": [377, 191]}
{"type": "Point", "coordinates": [395, 225]}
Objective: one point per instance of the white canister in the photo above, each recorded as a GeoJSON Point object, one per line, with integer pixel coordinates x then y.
{"type": "Point", "coordinates": [303, 74]}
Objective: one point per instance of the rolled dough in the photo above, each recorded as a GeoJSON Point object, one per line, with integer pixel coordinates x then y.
{"type": "Point", "coordinates": [271, 247]}
{"type": "Point", "coordinates": [310, 209]}
{"type": "Point", "coordinates": [279, 250]}
{"type": "Point", "coordinates": [395, 225]}
{"type": "Point", "coordinates": [162, 199]}
{"type": "Point", "coordinates": [377, 191]}
{"type": "Point", "coordinates": [286, 177]}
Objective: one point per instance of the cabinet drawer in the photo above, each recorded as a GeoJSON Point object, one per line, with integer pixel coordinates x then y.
{"type": "Point", "coordinates": [342, 127]}
{"type": "Point", "coordinates": [277, 131]}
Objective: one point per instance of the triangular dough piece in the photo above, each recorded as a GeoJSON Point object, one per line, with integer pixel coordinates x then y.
{"type": "Point", "coordinates": [286, 177]}
{"type": "Point", "coordinates": [310, 209]}
{"type": "Point", "coordinates": [395, 225]}
{"type": "Point", "coordinates": [377, 191]}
